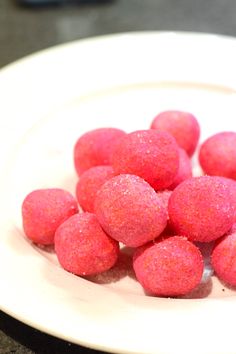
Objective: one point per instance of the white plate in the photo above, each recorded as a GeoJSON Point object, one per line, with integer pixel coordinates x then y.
{"type": "Point", "coordinates": [47, 101]}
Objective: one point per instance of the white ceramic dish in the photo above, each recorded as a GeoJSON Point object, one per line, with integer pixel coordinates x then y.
{"type": "Point", "coordinates": [47, 101]}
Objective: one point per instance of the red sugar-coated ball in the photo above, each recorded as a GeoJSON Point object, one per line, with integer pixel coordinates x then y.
{"type": "Point", "coordinates": [129, 210]}
{"type": "Point", "coordinates": [184, 171]}
{"type": "Point", "coordinates": [43, 210]}
{"type": "Point", "coordinates": [89, 183]}
{"type": "Point", "coordinates": [223, 258]}
{"type": "Point", "coordinates": [95, 147]}
{"type": "Point", "coordinates": [217, 155]}
{"type": "Point", "coordinates": [149, 154]}
{"type": "Point", "coordinates": [170, 267]}
{"type": "Point", "coordinates": [201, 209]}
{"type": "Point", "coordinates": [183, 126]}
{"type": "Point", "coordinates": [83, 248]}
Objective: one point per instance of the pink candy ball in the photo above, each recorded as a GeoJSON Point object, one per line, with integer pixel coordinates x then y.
{"type": "Point", "coordinates": [148, 154]}
{"type": "Point", "coordinates": [183, 126]}
{"type": "Point", "coordinates": [130, 211]}
{"type": "Point", "coordinates": [223, 258]}
{"type": "Point", "coordinates": [217, 155]}
{"type": "Point", "coordinates": [201, 209]}
{"type": "Point", "coordinates": [89, 183]}
{"type": "Point", "coordinates": [184, 171]}
{"type": "Point", "coordinates": [43, 210]}
{"type": "Point", "coordinates": [83, 248]}
{"type": "Point", "coordinates": [95, 148]}
{"type": "Point", "coordinates": [169, 267]}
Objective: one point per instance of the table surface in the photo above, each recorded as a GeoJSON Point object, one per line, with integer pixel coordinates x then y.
{"type": "Point", "coordinates": [26, 30]}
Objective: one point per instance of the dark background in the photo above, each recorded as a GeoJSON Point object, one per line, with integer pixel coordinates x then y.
{"type": "Point", "coordinates": [24, 30]}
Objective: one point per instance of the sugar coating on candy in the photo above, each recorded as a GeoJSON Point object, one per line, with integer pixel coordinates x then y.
{"type": "Point", "coordinates": [43, 210]}
{"type": "Point", "coordinates": [184, 171]}
{"type": "Point", "coordinates": [83, 248]}
{"type": "Point", "coordinates": [201, 209]}
{"type": "Point", "coordinates": [130, 211]}
{"type": "Point", "coordinates": [217, 155]}
{"type": "Point", "coordinates": [89, 183]}
{"type": "Point", "coordinates": [170, 267]}
{"type": "Point", "coordinates": [149, 154]}
{"type": "Point", "coordinates": [183, 126]}
{"type": "Point", "coordinates": [95, 147]}
{"type": "Point", "coordinates": [223, 258]}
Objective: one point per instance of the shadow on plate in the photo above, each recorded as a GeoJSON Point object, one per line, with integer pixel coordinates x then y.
{"type": "Point", "coordinates": [123, 268]}
{"type": "Point", "coordinates": [202, 291]}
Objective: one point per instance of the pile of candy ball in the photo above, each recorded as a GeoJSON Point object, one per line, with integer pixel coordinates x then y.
{"type": "Point", "coordinates": [137, 190]}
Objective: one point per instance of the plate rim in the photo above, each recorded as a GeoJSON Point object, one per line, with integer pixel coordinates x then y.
{"type": "Point", "coordinates": [17, 64]}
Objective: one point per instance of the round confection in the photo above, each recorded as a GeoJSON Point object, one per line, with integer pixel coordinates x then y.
{"type": "Point", "coordinates": [89, 183]}
{"type": "Point", "coordinates": [201, 209]}
{"type": "Point", "coordinates": [130, 211]}
{"type": "Point", "coordinates": [184, 171]}
{"type": "Point", "coordinates": [183, 126]}
{"type": "Point", "coordinates": [44, 210]}
{"type": "Point", "coordinates": [95, 147]}
{"type": "Point", "coordinates": [223, 258]}
{"type": "Point", "coordinates": [217, 155]}
{"type": "Point", "coordinates": [149, 154]}
{"type": "Point", "coordinates": [83, 248]}
{"type": "Point", "coordinates": [170, 267]}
